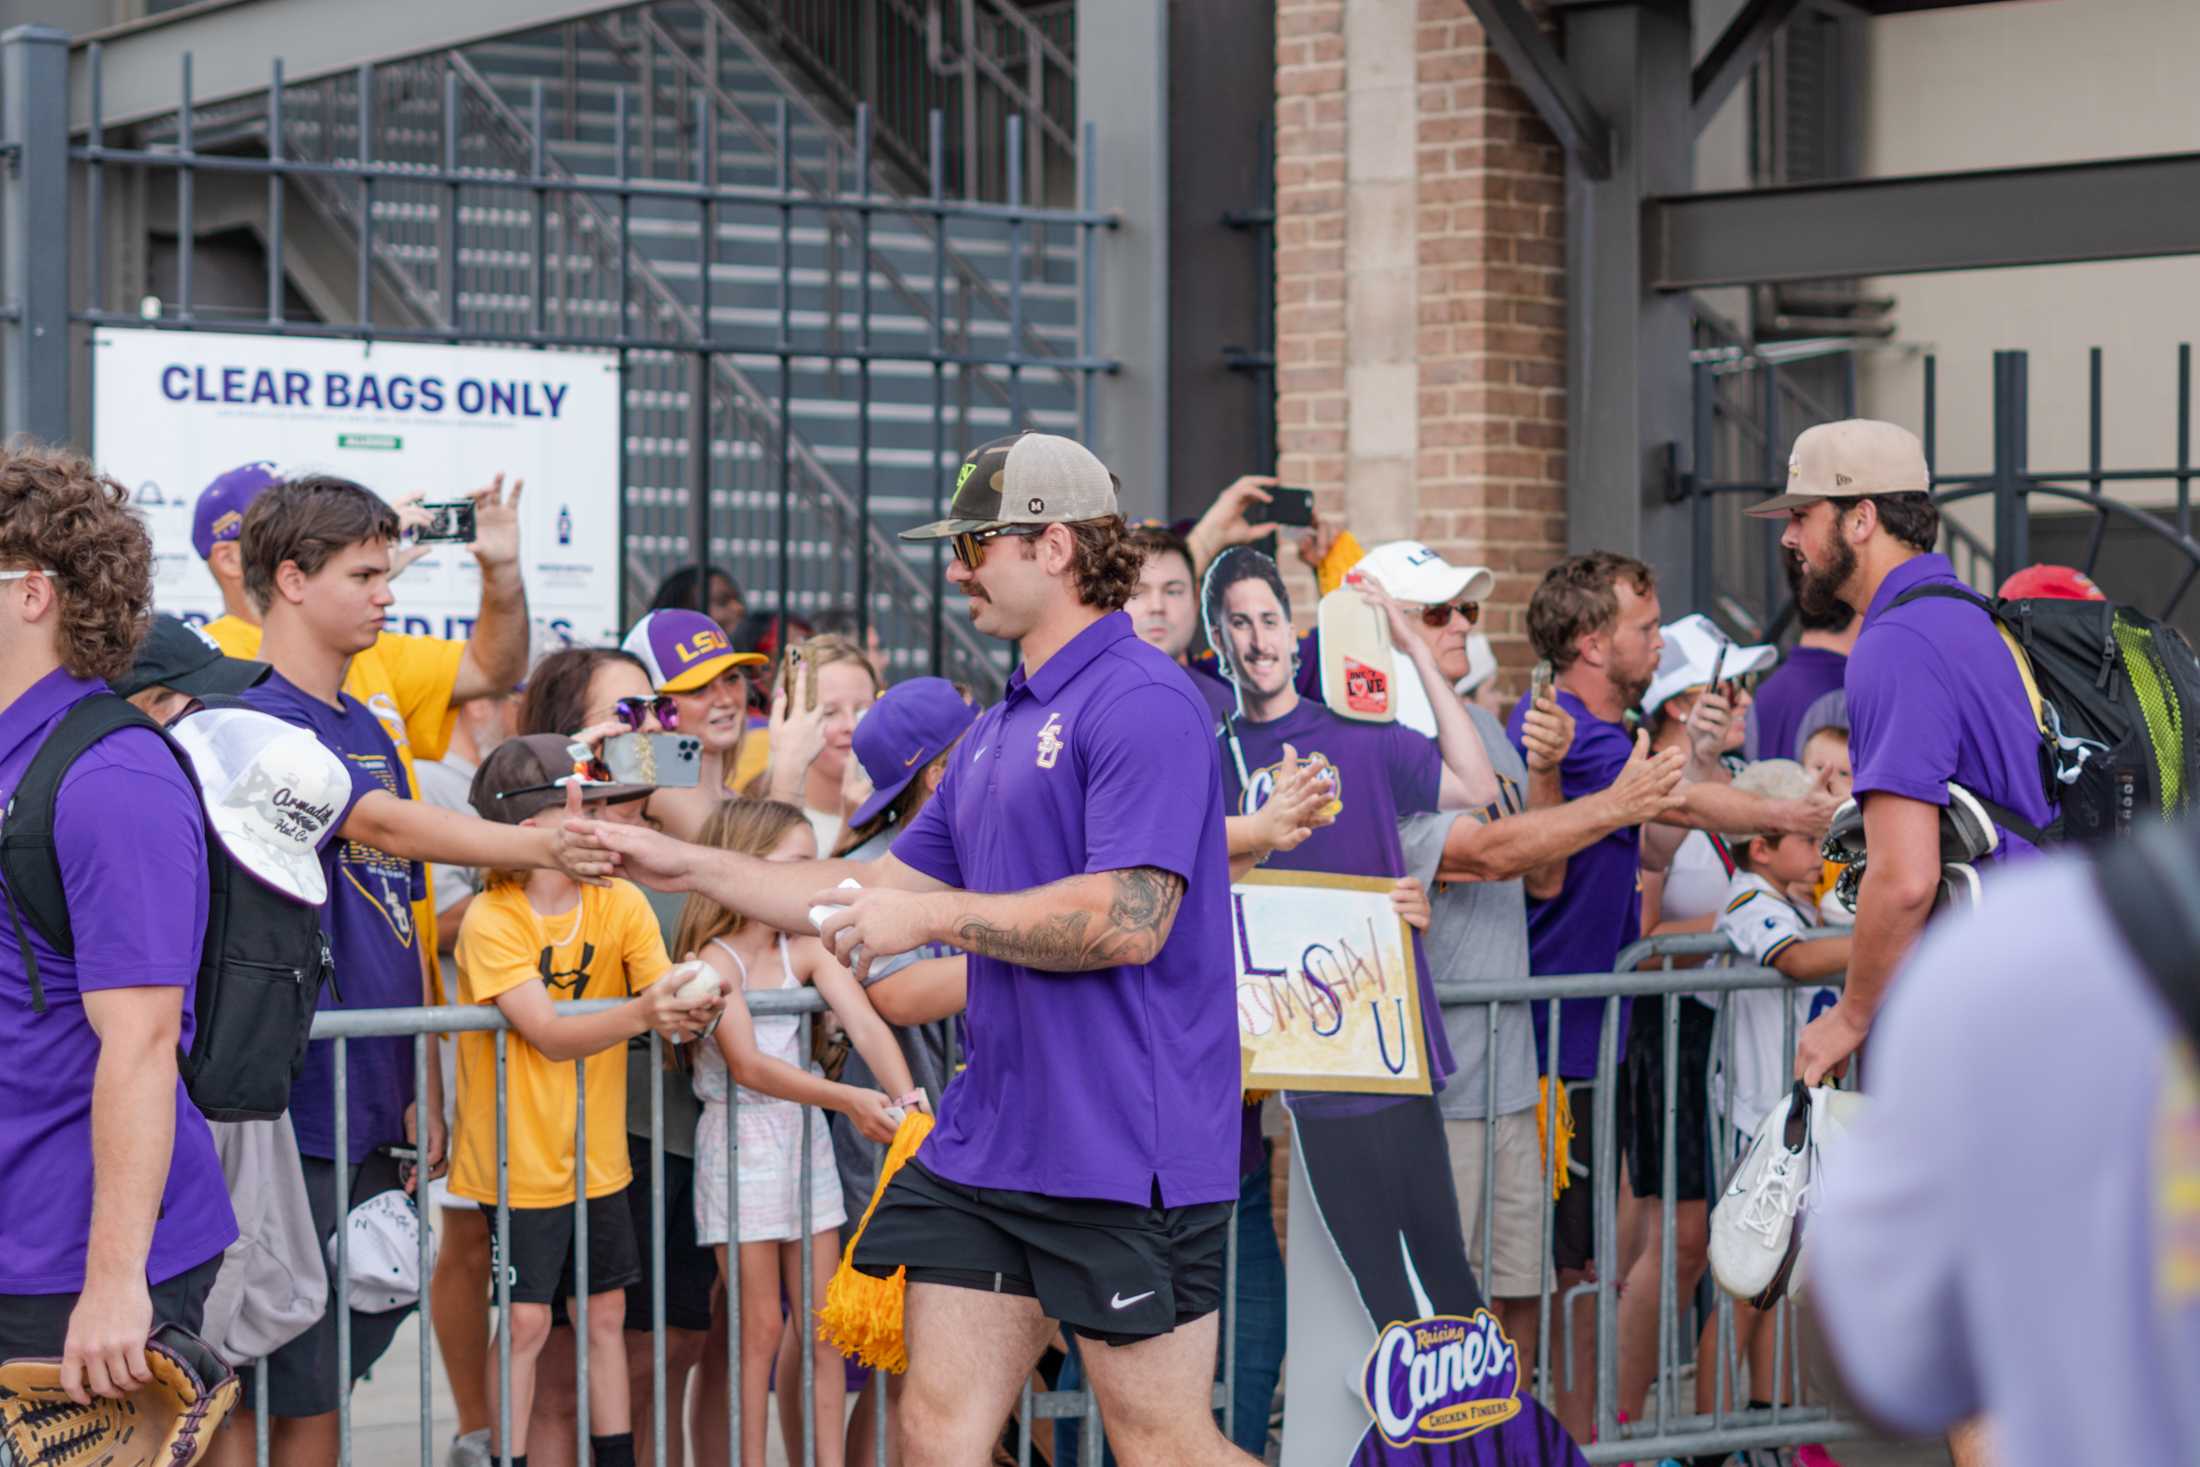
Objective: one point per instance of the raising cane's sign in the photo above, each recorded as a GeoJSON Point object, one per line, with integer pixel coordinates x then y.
{"type": "Point", "coordinates": [1442, 1378]}
{"type": "Point", "coordinates": [1327, 994]}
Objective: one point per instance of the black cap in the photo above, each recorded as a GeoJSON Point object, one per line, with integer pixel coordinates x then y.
{"type": "Point", "coordinates": [176, 654]}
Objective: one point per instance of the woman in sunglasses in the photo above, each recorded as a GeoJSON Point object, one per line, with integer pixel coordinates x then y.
{"type": "Point", "coordinates": [696, 686]}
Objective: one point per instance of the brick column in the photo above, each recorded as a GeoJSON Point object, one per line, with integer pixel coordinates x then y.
{"type": "Point", "coordinates": [1424, 398]}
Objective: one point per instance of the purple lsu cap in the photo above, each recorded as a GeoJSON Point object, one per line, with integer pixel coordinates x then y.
{"type": "Point", "coordinates": [684, 650]}
{"type": "Point", "coordinates": [221, 507]}
{"type": "Point", "coordinates": [910, 725]}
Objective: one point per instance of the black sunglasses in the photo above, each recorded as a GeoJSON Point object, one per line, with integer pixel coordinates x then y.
{"type": "Point", "coordinates": [634, 712]}
{"type": "Point", "coordinates": [970, 545]}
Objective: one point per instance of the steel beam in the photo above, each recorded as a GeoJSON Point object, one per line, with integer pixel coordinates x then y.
{"type": "Point", "coordinates": [34, 203]}
{"type": "Point", "coordinates": [2114, 209]}
{"type": "Point", "coordinates": [232, 41]}
{"type": "Point", "coordinates": [1539, 71]}
{"type": "Point", "coordinates": [1745, 39]}
{"type": "Point", "coordinates": [1627, 392]}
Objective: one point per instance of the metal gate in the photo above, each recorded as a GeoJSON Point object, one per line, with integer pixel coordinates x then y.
{"type": "Point", "coordinates": [1749, 406]}
{"type": "Point", "coordinates": [809, 335]}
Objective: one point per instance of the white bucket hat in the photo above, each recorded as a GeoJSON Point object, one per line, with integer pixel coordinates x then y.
{"type": "Point", "coordinates": [272, 792]}
{"type": "Point", "coordinates": [1691, 645]}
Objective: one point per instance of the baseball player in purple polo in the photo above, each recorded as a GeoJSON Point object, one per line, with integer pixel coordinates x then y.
{"type": "Point", "coordinates": [1085, 1162]}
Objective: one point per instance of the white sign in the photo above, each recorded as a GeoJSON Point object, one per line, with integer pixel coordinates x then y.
{"type": "Point", "coordinates": [1327, 994]}
{"type": "Point", "coordinates": [174, 410]}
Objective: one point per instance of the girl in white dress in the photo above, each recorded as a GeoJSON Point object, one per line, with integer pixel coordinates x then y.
{"type": "Point", "coordinates": [758, 1065]}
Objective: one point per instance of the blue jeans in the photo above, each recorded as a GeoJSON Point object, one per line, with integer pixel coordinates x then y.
{"type": "Point", "coordinates": [1257, 1329]}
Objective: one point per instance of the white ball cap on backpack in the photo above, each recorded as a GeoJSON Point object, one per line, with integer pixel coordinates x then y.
{"type": "Point", "coordinates": [382, 1264]}
{"type": "Point", "coordinates": [272, 791]}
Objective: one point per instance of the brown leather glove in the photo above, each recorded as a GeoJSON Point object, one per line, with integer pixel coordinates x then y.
{"type": "Point", "coordinates": [169, 1421]}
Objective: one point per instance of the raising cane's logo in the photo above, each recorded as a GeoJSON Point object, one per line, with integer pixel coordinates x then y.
{"type": "Point", "coordinates": [1441, 1378]}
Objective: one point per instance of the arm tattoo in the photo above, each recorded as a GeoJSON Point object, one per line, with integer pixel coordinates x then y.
{"type": "Point", "coordinates": [1141, 908]}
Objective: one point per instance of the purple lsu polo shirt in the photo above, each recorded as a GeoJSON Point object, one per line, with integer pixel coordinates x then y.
{"type": "Point", "coordinates": [1109, 1083]}
{"type": "Point", "coordinates": [1598, 911]}
{"type": "Point", "coordinates": [1935, 696]}
{"type": "Point", "coordinates": [132, 848]}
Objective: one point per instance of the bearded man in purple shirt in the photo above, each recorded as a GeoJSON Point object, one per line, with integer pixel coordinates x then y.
{"type": "Point", "coordinates": [1085, 1161]}
{"type": "Point", "coordinates": [1934, 694]}
{"type": "Point", "coordinates": [114, 1214]}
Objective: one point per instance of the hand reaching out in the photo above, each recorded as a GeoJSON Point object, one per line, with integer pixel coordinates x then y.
{"type": "Point", "coordinates": [1649, 786]}
{"type": "Point", "coordinates": [1300, 802]}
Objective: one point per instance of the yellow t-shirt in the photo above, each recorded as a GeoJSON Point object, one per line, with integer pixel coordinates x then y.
{"type": "Point", "coordinates": [406, 683]}
{"type": "Point", "coordinates": [607, 947]}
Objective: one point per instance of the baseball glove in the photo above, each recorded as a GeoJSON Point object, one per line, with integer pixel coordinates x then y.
{"type": "Point", "coordinates": [167, 1422]}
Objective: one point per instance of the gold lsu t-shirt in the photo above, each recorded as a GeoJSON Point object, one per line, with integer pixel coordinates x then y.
{"type": "Point", "coordinates": [607, 947]}
{"type": "Point", "coordinates": [406, 683]}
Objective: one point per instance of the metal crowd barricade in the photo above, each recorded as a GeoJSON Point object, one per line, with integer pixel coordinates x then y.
{"type": "Point", "coordinates": [419, 1023]}
{"type": "Point", "coordinates": [1667, 1430]}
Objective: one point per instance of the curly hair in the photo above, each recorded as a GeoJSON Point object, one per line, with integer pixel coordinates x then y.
{"type": "Point", "coordinates": [306, 522]}
{"type": "Point", "coordinates": [1578, 599]}
{"type": "Point", "coordinates": [61, 515]}
{"type": "Point", "coordinates": [1105, 561]}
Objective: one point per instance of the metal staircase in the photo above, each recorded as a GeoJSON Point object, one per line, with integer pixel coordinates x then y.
{"type": "Point", "coordinates": [681, 93]}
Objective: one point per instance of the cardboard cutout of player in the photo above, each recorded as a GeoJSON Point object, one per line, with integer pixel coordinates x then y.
{"type": "Point", "coordinates": [1441, 1385]}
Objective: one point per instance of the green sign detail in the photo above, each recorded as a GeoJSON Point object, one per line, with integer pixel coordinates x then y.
{"type": "Point", "coordinates": [380, 442]}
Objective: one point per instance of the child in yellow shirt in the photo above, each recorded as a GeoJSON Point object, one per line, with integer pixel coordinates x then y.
{"type": "Point", "coordinates": [526, 944]}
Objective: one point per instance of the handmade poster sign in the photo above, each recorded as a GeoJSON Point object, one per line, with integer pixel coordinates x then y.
{"type": "Point", "coordinates": [1327, 995]}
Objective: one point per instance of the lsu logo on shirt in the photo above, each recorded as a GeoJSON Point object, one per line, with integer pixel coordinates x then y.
{"type": "Point", "coordinates": [383, 880]}
{"type": "Point", "coordinates": [384, 708]}
{"type": "Point", "coordinates": [1263, 783]}
{"type": "Point", "coordinates": [1050, 741]}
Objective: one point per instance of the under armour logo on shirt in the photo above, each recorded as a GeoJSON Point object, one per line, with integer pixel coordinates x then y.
{"type": "Point", "coordinates": [1050, 742]}
{"type": "Point", "coordinates": [571, 981]}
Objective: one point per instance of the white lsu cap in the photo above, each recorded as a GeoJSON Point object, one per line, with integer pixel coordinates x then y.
{"type": "Point", "coordinates": [272, 791]}
{"type": "Point", "coordinates": [382, 1253]}
{"type": "Point", "coordinates": [1691, 645]}
{"type": "Point", "coordinates": [1418, 576]}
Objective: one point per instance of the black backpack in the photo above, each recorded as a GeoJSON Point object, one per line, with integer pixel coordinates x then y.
{"type": "Point", "coordinates": [2151, 887]}
{"type": "Point", "coordinates": [2116, 694]}
{"type": "Point", "coordinates": [265, 958]}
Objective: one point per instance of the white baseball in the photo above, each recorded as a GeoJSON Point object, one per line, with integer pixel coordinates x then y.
{"type": "Point", "coordinates": [823, 910]}
{"type": "Point", "coordinates": [696, 980]}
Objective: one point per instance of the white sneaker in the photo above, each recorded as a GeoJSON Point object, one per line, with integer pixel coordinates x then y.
{"type": "Point", "coordinates": [1755, 1229]}
{"type": "Point", "coordinates": [470, 1450]}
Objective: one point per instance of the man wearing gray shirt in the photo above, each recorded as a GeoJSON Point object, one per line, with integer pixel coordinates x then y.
{"type": "Point", "coordinates": [1479, 867]}
{"type": "Point", "coordinates": [2014, 1226]}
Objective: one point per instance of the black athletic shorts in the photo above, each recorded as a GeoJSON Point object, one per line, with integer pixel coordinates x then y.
{"type": "Point", "coordinates": [36, 1326]}
{"type": "Point", "coordinates": [1108, 1271]}
{"type": "Point", "coordinates": [543, 1268]}
{"type": "Point", "coordinates": [1573, 1220]}
{"type": "Point", "coordinates": [691, 1270]}
{"type": "Point", "coordinates": [1643, 1075]}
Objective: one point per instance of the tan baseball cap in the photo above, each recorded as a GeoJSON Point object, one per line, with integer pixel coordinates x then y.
{"type": "Point", "coordinates": [1848, 460]}
{"type": "Point", "coordinates": [1026, 478]}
